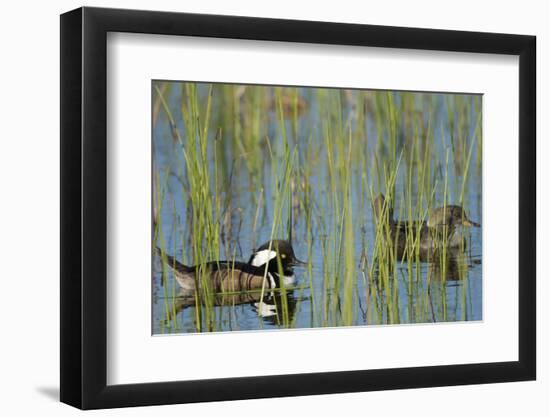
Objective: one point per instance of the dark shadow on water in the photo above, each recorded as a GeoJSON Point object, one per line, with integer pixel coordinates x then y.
{"type": "Point", "coordinates": [50, 392]}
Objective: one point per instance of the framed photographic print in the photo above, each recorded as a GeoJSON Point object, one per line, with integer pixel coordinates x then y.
{"type": "Point", "coordinates": [257, 208]}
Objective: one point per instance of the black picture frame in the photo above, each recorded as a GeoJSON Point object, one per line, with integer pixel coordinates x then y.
{"type": "Point", "coordinates": [84, 207]}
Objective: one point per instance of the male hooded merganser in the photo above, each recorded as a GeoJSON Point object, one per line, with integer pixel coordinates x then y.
{"type": "Point", "coordinates": [442, 222]}
{"type": "Point", "coordinates": [228, 276]}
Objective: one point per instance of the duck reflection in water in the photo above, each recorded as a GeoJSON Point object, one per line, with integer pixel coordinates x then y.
{"type": "Point", "coordinates": [455, 268]}
{"type": "Point", "coordinates": [274, 308]}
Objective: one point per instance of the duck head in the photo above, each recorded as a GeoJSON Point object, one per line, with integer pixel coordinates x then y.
{"type": "Point", "coordinates": [382, 208]}
{"type": "Point", "coordinates": [450, 216]}
{"type": "Point", "coordinates": [269, 252]}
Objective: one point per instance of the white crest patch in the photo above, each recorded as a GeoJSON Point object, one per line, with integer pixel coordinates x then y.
{"type": "Point", "coordinates": [262, 257]}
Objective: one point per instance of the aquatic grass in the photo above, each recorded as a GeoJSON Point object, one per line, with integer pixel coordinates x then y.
{"type": "Point", "coordinates": [350, 273]}
{"type": "Point", "coordinates": [281, 186]}
{"type": "Point", "coordinates": [307, 207]}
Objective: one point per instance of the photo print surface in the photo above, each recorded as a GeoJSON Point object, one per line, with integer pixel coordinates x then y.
{"type": "Point", "coordinates": [278, 207]}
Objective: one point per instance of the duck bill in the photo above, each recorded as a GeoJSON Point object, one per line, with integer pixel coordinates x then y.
{"type": "Point", "coordinates": [297, 262]}
{"type": "Point", "coordinates": [470, 223]}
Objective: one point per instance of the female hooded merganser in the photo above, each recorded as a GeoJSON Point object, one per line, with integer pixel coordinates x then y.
{"type": "Point", "coordinates": [228, 276]}
{"type": "Point", "coordinates": [440, 229]}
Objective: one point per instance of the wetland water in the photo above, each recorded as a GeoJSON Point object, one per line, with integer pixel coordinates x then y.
{"type": "Point", "coordinates": [235, 165]}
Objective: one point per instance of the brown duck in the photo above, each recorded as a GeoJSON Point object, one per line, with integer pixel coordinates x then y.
{"type": "Point", "coordinates": [440, 230]}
